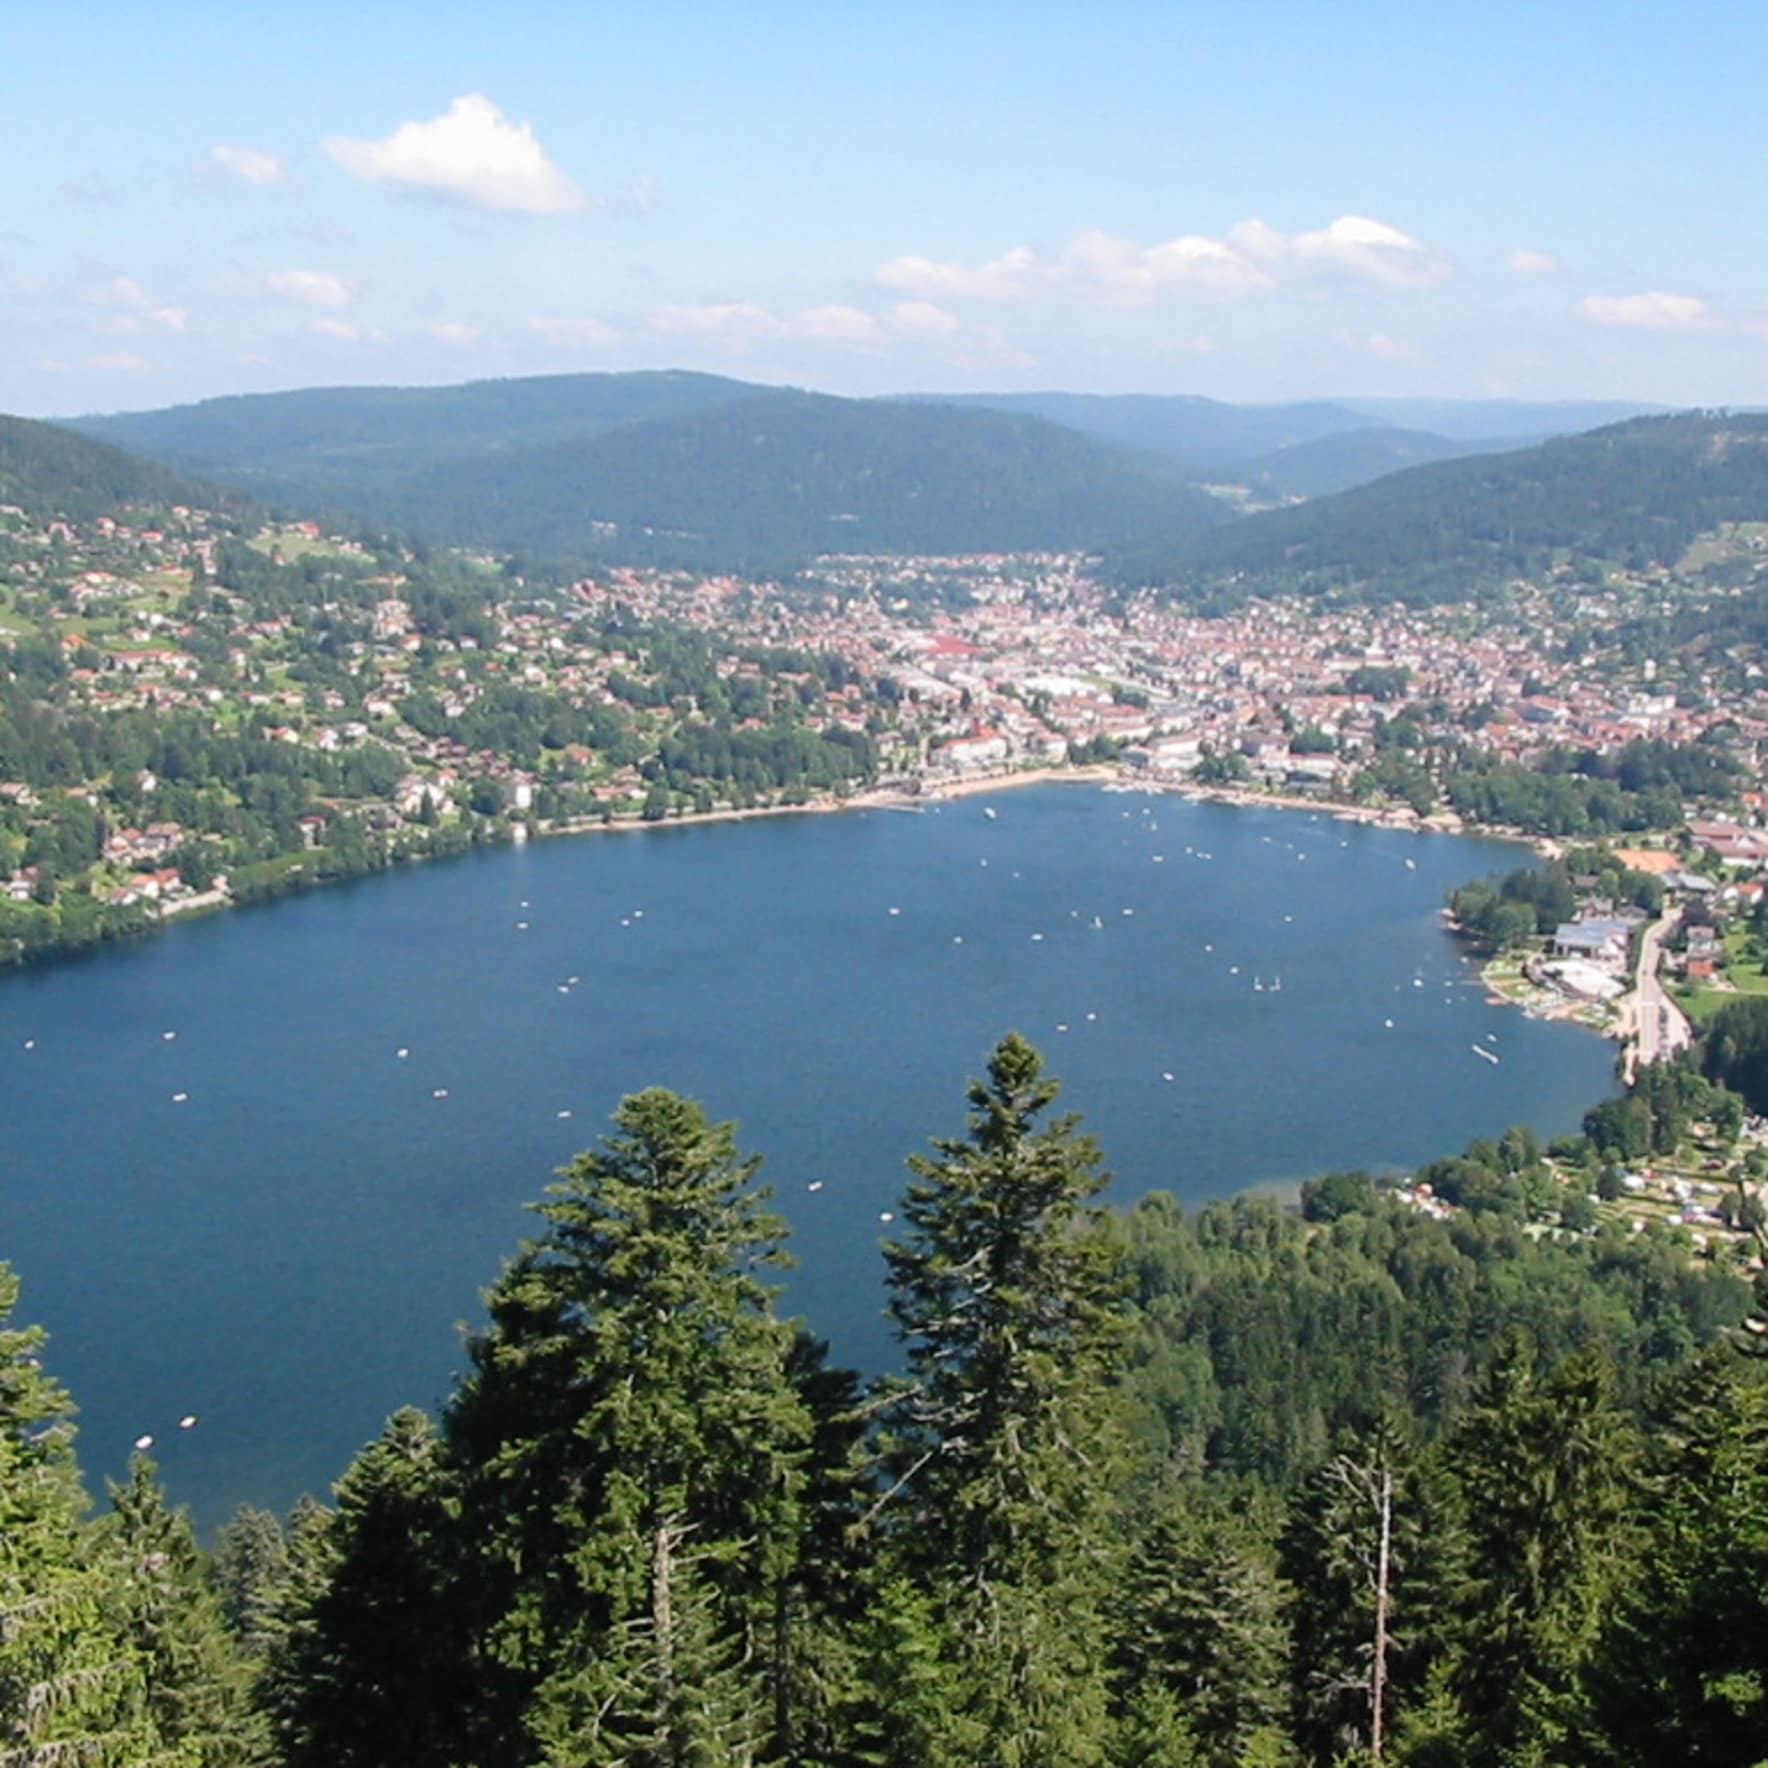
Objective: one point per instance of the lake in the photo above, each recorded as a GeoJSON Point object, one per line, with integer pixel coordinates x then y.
{"type": "Point", "coordinates": [287, 1249]}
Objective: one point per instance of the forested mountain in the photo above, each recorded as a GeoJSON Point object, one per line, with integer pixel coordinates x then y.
{"type": "Point", "coordinates": [1326, 464]}
{"type": "Point", "coordinates": [675, 468]}
{"type": "Point", "coordinates": [47, 472]}
{"type": "Point", "coordinates": [315, 442]}
{"type": "Point", "coordinates": [1217, 440]}
{"type": "Point", "coordinates": [782, 476]}
{"type": "Point", "coordinates": [1478, 420]}
{"type": "Point", "coordinates": [1634, 494]}
{"type": "Point", "coordinates": [1153, 1491]}
{"type": "Point", "coordinates": [1203, 435]}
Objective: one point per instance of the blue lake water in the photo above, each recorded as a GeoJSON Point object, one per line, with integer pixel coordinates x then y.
{"type": "Point", "coordinates": [288, 1251]}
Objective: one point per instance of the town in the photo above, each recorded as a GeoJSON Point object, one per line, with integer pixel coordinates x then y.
{"type": "Point", "coordinates": [418, 700]}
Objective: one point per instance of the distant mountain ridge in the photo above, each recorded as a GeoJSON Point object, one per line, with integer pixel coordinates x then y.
{"type": "Point", "coordinates": [1215, 438]}
{"type": "Point", "coordinates": [1348, 458]}
{"type": "Point", "coordinates": [1634, 493]}
{"type": "Point", "coordinates": [676, 468]}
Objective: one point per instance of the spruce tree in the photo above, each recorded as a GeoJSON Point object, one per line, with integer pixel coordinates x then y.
{"type": "Point", "coordinates": [167, 1612]}
{"type": "Point", "coordinates": [1681, 1670]}
{"type": "Point", "coordinates": [71, 1687]}
{"type": "Point", "coordinates": [250, 1568]}
{"type": "Point", "coordinates": [1003, 1446]}
{"type": "Point", "coordinates": [368, 1668]}
{"type": "Point", "coordinates": [630, 1394]}
{"type": "Point", "coordinates": [1201, 1644]}
{"type": "Point", "coordinates": [1543, 1465]}
{"type": "Point", "coordinates": [1371, 1553]}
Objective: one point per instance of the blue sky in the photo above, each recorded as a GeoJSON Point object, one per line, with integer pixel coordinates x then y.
{"type": "Point", "coordinates": [1253, 201]}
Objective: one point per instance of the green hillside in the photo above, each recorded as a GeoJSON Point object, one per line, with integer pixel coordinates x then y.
{"type": "Point", "coordinates": [675, 468]}
{"type": "Point", "coordinates": [1202, 434]}
{"type": "Point", "coordinates": [323, 443]}
{"type": "Point", "coordinates": [1634, 494]}
{"type": "Point", "coordinates": [1328, 464]}
{"type": "Point", "coordinates": [783, 476]}
{"type": "Point", "coordinates": [46, 471]}
{"type": "Point", "coordinates": [1219, 440]}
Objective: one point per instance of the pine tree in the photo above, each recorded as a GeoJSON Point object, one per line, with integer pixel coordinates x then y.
{"type": "Point", "coordinates": [166, 1611]}
{"type": "Point", "coordinates": [1681, 1671]}
{"type": "Point", "coordinates": [251, 1566]}
{"type": "Point", "coordinates": [1371, 1554]}
{"type": "Point", "coordinates": [1543, 1465]}
{"type": "Point", "coordinates": [668, 1688]}
{"type": "Point", "coordinates": [71, 1688]}
{"type": "Point", "coordinates": [633, 1387]}
{"type": "Point", "coordinates": [368, 1667]}
{"type": "Point", "coordinates": [1199, 1631]}
{"type": "Point", "coordinates": [1003, 1446]}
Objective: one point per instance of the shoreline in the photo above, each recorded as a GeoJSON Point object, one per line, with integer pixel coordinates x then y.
{"type": "Point", "coordinates": [915, 796]}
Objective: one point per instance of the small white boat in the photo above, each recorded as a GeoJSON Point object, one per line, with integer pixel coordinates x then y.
{"type": "Point", "coordinates": [1481, 1050]}
{"type": "Point", "coordinates": [988, 811]}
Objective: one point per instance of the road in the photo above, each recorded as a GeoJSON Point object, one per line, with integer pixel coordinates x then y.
{"type": "Point", "coordinates": [1657, 1027]}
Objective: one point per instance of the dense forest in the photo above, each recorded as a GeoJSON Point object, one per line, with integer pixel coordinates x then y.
{"type": "Point", "coordinates": [47, 471]}
{"type": "Point", "coordinates": [1151, 1488]}
{"type": "Point", "coordinates": [1583, 793]}
{"type": "Point", "coordinates": [678, 470]}
{"type": "Point", "coordinates": [1634, 495]}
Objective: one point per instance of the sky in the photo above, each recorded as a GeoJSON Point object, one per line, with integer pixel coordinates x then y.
{"type": "Point", "coordinates": [1253, 201]}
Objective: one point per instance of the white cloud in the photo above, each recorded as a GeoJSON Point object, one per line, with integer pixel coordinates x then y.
{"type": "Point", "coordinates": [1354, 248]}
{"type": "Point", "coordinates": [310, 288]}
{"type": "Point", "coordinates": [835, 325]}
{"type": "Point", "coordinates": [575, 334]}
{"type": "Point", "coordinates": [118, 362]}
{"type": "Point", "coordinates": [1380, 345]}
{"type": "Point", "coordinates": [1651, 310]}
{"type": "Point", "coordinates": [304, 288]}
{"type": "Point", "coordinates": [130, 308]}
{"type": "Point", "coordinates": [472, 154]}
{"type": "Point", "coordinates": [337, 328]}
{"type": "Point", "coordinates": [839, 325]}
{"type": "Point", "coordinates": [739, 321]}
{"type": "Point", "coordinates": [250, 164]}
{"type": "Point", "coordinates": [1530, 263]}
{"type": "Point", "coordinates": [454, 332]}
{"type": "Point", "coordinates": [923, 319]}
{"type": "Point", "coordinates": [1100, 269]}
